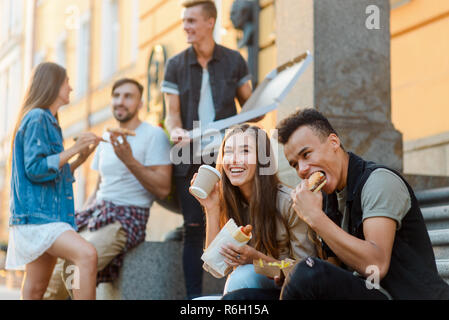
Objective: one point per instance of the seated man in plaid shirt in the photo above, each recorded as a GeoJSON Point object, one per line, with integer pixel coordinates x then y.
{"type": "Point", "coordinates": [133, 171]}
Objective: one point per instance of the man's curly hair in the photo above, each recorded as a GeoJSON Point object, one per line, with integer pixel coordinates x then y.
{"type": "Point", "coordinates": [306, 117]}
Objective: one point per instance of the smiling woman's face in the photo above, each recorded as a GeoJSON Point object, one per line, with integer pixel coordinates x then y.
{"type": "Point", "coordinates": [240, 158]}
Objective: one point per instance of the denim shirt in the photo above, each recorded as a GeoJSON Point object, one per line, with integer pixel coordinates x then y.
{"type": "Point", "coordinates": [227, 70]}
{"type": "Point", "coordinates": [41, 192]}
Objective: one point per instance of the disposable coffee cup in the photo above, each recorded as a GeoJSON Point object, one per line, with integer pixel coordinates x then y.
{"type": "Point", "coordinates": [205, 181]}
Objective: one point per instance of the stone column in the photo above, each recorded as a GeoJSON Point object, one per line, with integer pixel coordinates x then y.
{"type": "Point", "coordinates": [349, 79]}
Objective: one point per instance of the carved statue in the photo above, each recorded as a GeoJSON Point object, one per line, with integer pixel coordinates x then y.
{"type": "Point", "coordinates": [245, 17]}
{"type": "Point", "coordinates": [242, 19]}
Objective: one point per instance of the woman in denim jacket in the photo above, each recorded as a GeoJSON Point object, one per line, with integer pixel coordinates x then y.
{"type": "Point", "coordinates": [42, 224]}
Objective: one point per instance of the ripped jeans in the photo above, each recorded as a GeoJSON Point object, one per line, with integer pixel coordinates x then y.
{"type": "Point", "coordinates": [193, 238]}
{"type": "Point", "coordinates": [244, 276]}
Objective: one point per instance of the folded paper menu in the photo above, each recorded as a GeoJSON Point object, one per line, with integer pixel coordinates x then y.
{"type": "Point", "coordinates": [214, 262]}
{"type": "Point", "coordinates": [274, 269]}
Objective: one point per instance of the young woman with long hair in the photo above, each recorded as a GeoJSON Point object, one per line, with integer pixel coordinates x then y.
{"type": "Point", "coordinates": [42, 221]}
{"type": "Point", "coordinates": [250, 193]}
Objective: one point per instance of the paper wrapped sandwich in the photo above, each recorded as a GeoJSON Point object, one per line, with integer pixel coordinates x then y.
{"type": "Point", "coordinates": [214, 262]}
{"type": "Point", "coordinates": [243, 234]}
{"type": "Point", "coordinates": [273, 269]}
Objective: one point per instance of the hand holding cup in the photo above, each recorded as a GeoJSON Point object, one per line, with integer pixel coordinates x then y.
{"type": "Point", "coordinates": [204, 186]}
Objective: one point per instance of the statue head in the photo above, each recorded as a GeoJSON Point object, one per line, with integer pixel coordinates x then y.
{"type": "Point", "coordinates": [241, 13]}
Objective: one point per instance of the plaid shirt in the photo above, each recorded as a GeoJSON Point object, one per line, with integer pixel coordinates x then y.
{"type": "Point", "coordinates": [133, 220]}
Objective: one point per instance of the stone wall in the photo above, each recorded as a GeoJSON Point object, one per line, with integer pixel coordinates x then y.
{"type": "Point", "coordinates": [427, 155]}
{"type": "Point", "coordinates": [349, 79]}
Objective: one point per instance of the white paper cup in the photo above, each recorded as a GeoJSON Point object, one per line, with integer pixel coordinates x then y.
{"type": "Point", "coordinates": [205, 181]}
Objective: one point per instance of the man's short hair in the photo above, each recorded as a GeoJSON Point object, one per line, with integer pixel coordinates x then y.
{"type": "Point", "coordinates": [208, 7]}
{"type": "Point", "coordinates": [306, 117]}
{"type": "Point", "coordinates": [122, 81]}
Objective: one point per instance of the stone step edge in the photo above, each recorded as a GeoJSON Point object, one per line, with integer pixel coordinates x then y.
{"type": "Point", "coordinates": [439, 237]}
{"type": "Point", "coordinates": [435, 195]}
{"type": "Point", "coordinates": [443, 267]}
{"type": "Point", "coordinates": [435, 213]}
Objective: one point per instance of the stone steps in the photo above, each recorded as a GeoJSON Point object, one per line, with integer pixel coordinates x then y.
{"type": "Point", "coordinates": [436, 217]}
{"type": "Point", "coordinates": [440, 243]}
{"type": "Point", "coordinates": [443, 268]}
{"type": "Point", "coordinates": [433, 197]}
{"type": "Point", "coordinates": [435, 209]}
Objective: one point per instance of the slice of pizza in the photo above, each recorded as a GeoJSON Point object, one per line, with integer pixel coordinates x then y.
{"type": "Point", "coordinates": [122, 131]}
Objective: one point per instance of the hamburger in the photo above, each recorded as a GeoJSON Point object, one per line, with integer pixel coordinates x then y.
{"type": "Point", "coordinates": [316, 181]}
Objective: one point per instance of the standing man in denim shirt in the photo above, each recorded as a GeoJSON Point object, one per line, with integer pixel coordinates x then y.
{"type": "Point", "coordinates": [200, 84]}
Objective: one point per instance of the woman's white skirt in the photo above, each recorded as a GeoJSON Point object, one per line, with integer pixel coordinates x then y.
{"type": "Point", "coordinates": [27, 242]}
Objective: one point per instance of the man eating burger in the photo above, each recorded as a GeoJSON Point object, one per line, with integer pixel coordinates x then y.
{"type": "Point", "coordinates": [375, 242]}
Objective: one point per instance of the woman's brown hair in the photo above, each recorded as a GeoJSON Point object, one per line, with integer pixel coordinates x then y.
{"type": "Point", "coordinates": [42, 92]}
{"type": "Point", "coordinates": [263, 213]}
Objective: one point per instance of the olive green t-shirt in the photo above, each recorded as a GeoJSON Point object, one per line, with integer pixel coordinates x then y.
{"type": "Point", "coordinates": [383, 195]}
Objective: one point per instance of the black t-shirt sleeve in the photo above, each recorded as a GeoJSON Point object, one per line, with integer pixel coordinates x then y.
{"type": "Point", "coordinates": [170, 83]}
{"type": "Point", "coordinates": [243, 71]}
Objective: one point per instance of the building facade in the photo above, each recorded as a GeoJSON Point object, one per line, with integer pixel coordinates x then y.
{"type": "Point", "coordinates": [98, 42]}
{"type": "Point", "coordinates": [16, 18]}
{"type": "Point", "coordinates": [419, 83]}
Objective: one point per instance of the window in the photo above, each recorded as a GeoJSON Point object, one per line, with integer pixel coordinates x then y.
{"type": "Point", "coordinates": [135, 31]}
{"type": "Point", "coordinates": [39, 57]}
{"type": "Point", "coordinates": [11, 18]}
{"type": "Point", "coordinates": [16, 16]}
{"type": "Point", "coordinates": [3, 103]}
{"type": "Point", "coordinates": [10, 96]}
{"type": "Point", "coordinates": [14, 94]}
{"type": "Point", "coordinates": [61, 51]}
{"type": "Point", "coordinates": [110, 38]}
{"type": "Point", "coordinates": [4, 23]}
{"type": "Point", "coordinates": [83, 49]}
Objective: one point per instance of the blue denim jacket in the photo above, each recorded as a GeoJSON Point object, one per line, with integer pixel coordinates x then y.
{"type": "Point", "coordinates": [40, 191]}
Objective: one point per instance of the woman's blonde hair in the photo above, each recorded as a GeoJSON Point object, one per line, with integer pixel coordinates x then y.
{"type": "Point", "coordinates": [43, 90]}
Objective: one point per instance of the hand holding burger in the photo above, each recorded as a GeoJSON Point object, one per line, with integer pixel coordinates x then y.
{"type": "Point", "coordinates": [307, 200]}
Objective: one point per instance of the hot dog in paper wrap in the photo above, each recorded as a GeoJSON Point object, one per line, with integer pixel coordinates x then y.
{"type": "Point", "coordinates": [214, 262]}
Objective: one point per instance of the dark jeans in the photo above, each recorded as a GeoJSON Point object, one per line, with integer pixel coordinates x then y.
{"type": "Point", "coordinates": [319, 280]}
{"type": "Point", "coordinates": [194, 235]}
